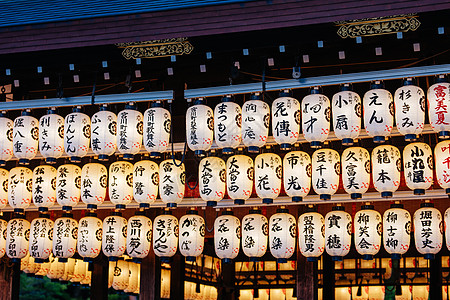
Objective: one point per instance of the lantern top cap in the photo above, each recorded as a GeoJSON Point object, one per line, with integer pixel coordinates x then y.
{"type": "Point", "coordinates": [67, 215]}
{"type": "Point", "coordinates": [156, 104]}
{"type": "Point", "coordinates": [255, 96]}
{"type": "Point", "coordinates": [285, 93]}
{"type": "Point", "coordinates": [44, 215]}
{"type": "Point", "coordinates": [255, 211]}
{"type": "Point", "coordinates": [367, 206]}
{"type": "Point", "coordinates": [199, 101]}
{"type": "Point", "coordinates": [346, 87]}
{"type": "Point", "coordinates": [315, 90]}
{"type": "Point", "coordinates": [282, 210]}
{"type": "Point", "coordinates": [76, 108]}
{"type": "Point", "coordinates": [116, 213]}
{"type": "Point", "coordinates": [130, 105]}
{"type": "Point", "coordinates": [426, 204]}
{"type": "Point", "coordinates": [227, 98]}
{"type": "Point", "coordinates": [338, 208]}
{"type": "Point", "coordinates": [26, 112]}
{"type": "Point", "coordinates": [91, 214]}
{"type": "Point", "coordinates": [167, 212]}
{"type": "Point", "coordinates": [3, 113]}
{"type": "Point", "coordinates": [192, 212]}
{"type": "Point", "coordinates": [396, 205]}
{"type": "Point", "coordinates": [227, 213]}
{"type": "Point", "coordinates": [441, 78]}
{"type": "Point", "coordinates": [377, 84]}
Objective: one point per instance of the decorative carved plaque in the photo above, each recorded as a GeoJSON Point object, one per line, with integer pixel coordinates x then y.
{"type": "Point", "coordinates": [156, 48]}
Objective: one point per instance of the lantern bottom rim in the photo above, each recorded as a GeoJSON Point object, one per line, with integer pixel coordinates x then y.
{"type": "Point", "coordinates": [103, 157]}
{"type": "Point", "coordinates": [50, 160]}
{"type": "Point", "coordinates": [190, 258]}
{"type": "Point", "coordinates": [282, 260]}
{"type": "Point", "coordinates": [75, 159]}
{"type": "Point", "coordinates": [227, 260]}
{"type": "Point", "coordinates": [228, 151]}
{"type": "Point", "coordinates": [200, 153]}
{"type": "Point", "coordinates": [2, 163]}
{"type": "Point", "coordinates": [239, 201]}
{"type": "Point", "coordinates": [254, 259]}
{"type": "Point", "coordinates": [253, 149]}
{"type": "Point", "coordinates": [15, 260]}
{"type": "Point", "coordinates": [347, 142]}
{"type": "Point", "coordinates": [379, 139]}
{"type": "Point", "coordinates": [444, 134]}
{"type": "Point", "coordinates": [312, 259]}
{"type": "Point", "coordinates": [91, 206]}
{"type": "Point", "coordinates": [39, 260]}
{"type": "Point", "coordinates": [87, 259]}
{"type": "Point", "coordinates": [113, 258]}
{"type": "Point", "coordinates": [316, 144]}
{"type": "Point", "coordinates": [285, 147]}
{"type": "Point", "coordinates": [171, 205]}
{"type": "Point", "coordinates": [355, 196]}
{"type": "Point", "coordinates": [419, 191]}
{"type": "Point", "coordinates": [386, 194]}
{"type": "Point", "coordinates": [336, 258]}
{"type": "Point", "coordinates": [24, 161]}
{"type": "Point", "coordinates": [42, 209]}
{"type": "Point", "coordinates": [165, 259]}
{"type": "Point", "coordinates": [136, 260]}
{"type": "Point", "coordinates": [367, 257]}
{"type": "Point", "coordinates": [128, 156]}
{"type": "Point", "coordinates": [267, 201]}
{"type": "Point", "coordinates": [121, 206]}
{"type": "Point", "coordinates": [325, 196]}
{"type": "Point", "coordinates": [410, 137]}
{"type": "Point", "coordinates": [144, 205]}
{"type": "Point", "coordinates": [396, 256]}
{"type": "Point", "coordinates": [447, 191]}
{"type": "Point", "coordinates": [297, 199]}
{"type": "Point", "coordinates": [155, 154]}
{"type": "Point", "coordinates": [211, 203]}
{"type": "Point", "coordinates": [428, 256]}
{"type": "Point", "coordinates": [66, 208]}
{"type": "Point", "coordinates": [62, 259]}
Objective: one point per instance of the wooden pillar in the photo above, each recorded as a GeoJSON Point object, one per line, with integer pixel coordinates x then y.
{"type": "Point", "coordinates": [99, 280]}
{"type": "Point", "coordinates": [227, 289]}
{"type": "Point", "coordinates": [328, 277]}
{"type": "Point", "coordinates": [15, 281]}
{"type": "Point", "coordinates": [436, 277]}
{"type": "Point", "coordinates": [177, 272]}
{"type": "Point", "coordinates": [307, 287]}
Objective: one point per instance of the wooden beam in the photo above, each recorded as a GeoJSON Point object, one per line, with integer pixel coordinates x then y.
{"type": "Point", "coordinates": [328, 277]}
{"type": "Point", "coordinates": [177, 272]}
{"type": "Point", "coordinates": [435, 277]}
{"type": "Point", "coordinates": [15, 281]}
{"type": "Point", "coordinates": [306, 281]}
{"type": "Point", "coordinates": [227, 290]}
{"type": "Point", "coordinates": [99, 281]}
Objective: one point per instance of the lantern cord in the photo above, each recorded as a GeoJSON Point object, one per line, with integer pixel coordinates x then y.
{"type": "Point", "coordinates": [187, 183]}
{"type": "Point", "coordinates": [171, 141]}
{"type": "Point", "coordinates": [206, 226]}
{"type": "Point", "coordinates": [94, 85]}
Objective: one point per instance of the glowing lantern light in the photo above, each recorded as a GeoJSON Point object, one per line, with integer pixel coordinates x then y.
{"type": "Point", "coordinates": [286, 120]}
{"type": "Point", "coordinates": [338, 233]}
{"type": "Point", "coordinates": [120, 183]}
{"type": "Point", "coordinates": [121, 275]}
{"type": "Point", "coordinates": [77, 134]}
{"type": "Point", "coordinates": [282, 232]}
{"type": "Point", "coordinates": [139, 236]}
{"type": "Point", "coordinates": [386, 166]}
{"type": "Point", "coordinates": [3, 232]}
{"type": "Point", "coordinates": [165, 236]}
{"type": "Point", "coordinates": [43, 270]}
{"type": "Point", "coordinates": [227, 125]}
{"type": "Point", "coordinates": [227, 236]}
{"type": "Point", "coordinates": [396, 230]}
{"type": "Point", "coordinates": [44, 187]}
{"type": "Point", "coordinates": [17, 238]}
{"type": "Point", "coordinates": [212, 177]}
{"type": "Point", "coordinates": [79, 271]}
{"type": "Point", "coordinates": [6, 139]}
{"type": "Point", "coordinates": [356, 171]}
{"type": "Point", "coordinates": [93, 184]}
{"type": "Point", "coordinates": [133, 280]}
{"type": "Point", "coordinates": [69, 268]}
{"type": "Point", "coordinates": [130, 131]}
{"type": "Point", "coordinates": [316, 115]}
{"type": "Point", "coordinates": [51, 139]}
{"type": "Point", "coordinates": [442, 158]}
{"type": "Point", "coordinates": [268, 173]}
{"type": "Point", "coordinates": [418, 164]}
{"type": "Point", "coordinates": [114, 236]}
{"type": "Point", "coordinates": [41, 235]}
{"type": "Point", "coordinates": [87, 277]}
{"type": "Point", "coordinates": [438, 107]}
{"type": "Point", "coordinates": [156, 129]}
{"type": "Point", "coordinates": [192, 235]}
{"type": "Point", "coordinates": [145, 182]}
{"type": "Point", "coordinates": [346, 115]}
{"type": "Point", "coordinates": [25, 137]}
{"type": "Point", "coordinates": [4, 176]}
{"type": "Point", "coordinates": [19, 188]}
{"type": "Point", "coordinates": [239, 178]}
{"type": "Point", "coordinates": [255, 123]}
{"type": "Point", "coordinates": [199, 127]}
{"type": "Point", "coordinates": [297, 175]}
{"type": "Point", "coordinates": [68, 186]}
{"type": "Point", "coordinates": [56, 270]}
{"type": "Point", "coordinates": [104, 133]}
{"type": "Point", "coordinates": [368, 228]}
{"type": "Point", "coordinates": [326, 168]}
{"type": "Point", "coordinates": [171, 187]}
{"type": "Point", "coordinates": [254, 234]}
{"type": "Point", "coordinates": [311, 235]}
{"type": "Point", "coordinates": [65, 233]}
{"type": "Point", "coordinates": [89, 239]}
{"type": "Point", "coordinates": [428, 229]}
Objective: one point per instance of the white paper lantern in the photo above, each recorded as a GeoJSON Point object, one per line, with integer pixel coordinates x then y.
{"type": "Point", "coordinates": [77, 134]}
{"type": "Point", "coordinates": [438, 107]}
{"type": "Point", "coordinates": [192, 235]}
{"type": "Point", "coordinates": [311, 235]}
{"type": "Point", "coordinates": [120, 183]}
{"type": "Point", "coordinates": [172, 178]}
{"type": "Point", "coordinates": [378, 112]}
{"type": "Point", "coordinates": [428, 229]}
{"type": "Point", "coordinates": [227, 125]}
{"type": "Point", "coordinates": [25, 137]}
{"type": "Point", "coordinates": [446, 227]}
{"type": "Point", "coordinates": [87, 278]}
{"type": "Point", "coordinates": [165, 236]}
{"type": "Point", "coordinates": [17, 238]}
{"type": "Point", "coordinates": [157, 122]}
{"type": "Point", "coordinates": [19, 188]}
{"type": "Point", "coordinates": [282, 233]}
{"type": "Point", "coordinates": [69, 268]}
{"type": "Point", "coordinates": [239, 178]}
{"type": "Point", "coordinates": [396, 230]}
{"type": "Point", "coordinates": [6, 139]}
{"type": "Point", "coordinates": [121, 275]}
{"type": "Point", "coordinates": [56, 269]}
{"type": "Point", "coordinates": [89, 239]}
{"type": "Point", "coordinates": [409, 110]}
{"type": "Point", "coordinates": [51, 137]}
{"type": "Point", "coordinates": [139, 236]}
{"type": "Point", "coordinates": [227, 236]}
{"type": "Point", "coordinates": [355, 171]}
{"type": "Point", "coordinates": [368, 228]}
{"type": "Point", "coordinates": [442, 161]}
{"type": "Point", "coordinates": [41, 236]}
{"type": "Point", "coordinates": [326, 168]}
{"type": "Point", "coordinates": [199, 127]}
{"type": "Point", "coordinates": [145, 182]}
{"type": "Point", "coordinates": [44, 187]}
{"type": "Point", "coordinates": [346, 115]}
{"type": "Point", "coordinates": [68, 186]}
{"type": "Point", "coordinates": [65, 233]}
{"type": "Point", "coordinates": [386, 166]}
{"type": "Point", "coordinates": [268, 173]}
{"type": "Point", "coordinates": [114, 238]}
{"type": "Point", "coordinates": [4, 176]}
{"type": "Point", "coordinates": [297, 175]}
{"type": "Point", "coordinates": [44, 269]}
{"type": "Point", "coordinates": [79, 272]}
{"type": "Point", "coordinates": [212, 178]}
{"type": "Point", "coordinates": [94, 180]}
{"type": "Point", "coordinates": [316, 115]}
{"type": "Point", "coordinates": [418, 164]}
{"type": "Point", "coordinates": [3, 232]}
{"type": "Point", "coordinates": [338, 233]}
{"type": "Point", "coordinates": [130, 131]}
{"type": "Point", "coordinates": [286, 120]}
{"type": "Point", "coordinates": [133, 280]}
{"type": "Point", "coordinates": [255, 123]}
{"type": "Point", "coordinates": [255, 230]}
{"type": "Point", "coordinates": [104, 133]}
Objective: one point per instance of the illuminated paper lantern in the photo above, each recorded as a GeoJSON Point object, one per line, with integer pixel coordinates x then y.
{"type": "Point", "coordinates": [157, 122]}
{"type": "Point", "coordinates": [428, 229]}
{"type": "Point", "coordinates": [94, 180]}
{"type": "Point", "coordinates": [69, 268]}
{"type": "Point", "coordinates": [44, 187]}
{"type": "Point", "coordinates": [77, 134]}
{"type": "Point", "coordinates": [199, 127]}
{"type": "Point", "coordinates": [130, 131]}
{"type": "Point", "coordinates": [386, 166]}
{"type": "Point", "coordinates": [145, 182]}
{"type": "Point", "coordinates": [442, 162]}
{"type": "Point", "coordinates": [171, 186]}
{"type": "Point", "coordinates": [87, 278]}
{"type": "Point", "coordinates": [418, 164]}
{"type": "Point", "coordinates": [254, 234]}
{"type": "Point", "coordinates": [338, 233]}
{"type": "Point", "coordinates": [104, 133]}
{"type": "Point", "coordinates": [133, 279]}
{"type": "Point", "coordinates": [227, 125]}
{"type": "Point", "coordinates": [89, 239]}
{"type": "Point", "coordinates": [192, 235]}
{"type": "Point", "coordinates": [3, 232]}
{"type": "Point", "coordinates": [29, 267]}
{"type": "Point", "coordinates": [378, 112]}
{"type": "Point", "coordinates": [79, 271]}
{"type": "Point", "coordinates": [268, 172]}
{"type": "Point", "coordinates": [255, 123]}
{"type": "Point", "coordinates": [311, 235]}
{"type": "Point", "coordinates": [121, 275]}
{"type": "Point", "coordinates": [17, 238]}
{"type": "Point", "coordinates": [227, 236]}
{"type": "Point", "coordinates": [139, 236]}
{"type": "Point", "coordinates": [68, 186]}
{"type": "Point", "coordinates": [355, 171]}
{"type": "Point", "coordinates": [297, 175]}
{"type": "Point", "coordinates": [438, 96]}
{"type": "Point", "coordinates": [51, 137]}
{"type": "Point", "coordinates": [56, 270]}
{"type": "Point", "coordinates": [368, 228]}
{"type": "Point", "coordinates": [282, 232]}
{"type": "Point", "coordinates": [326, 168]}
{"type": "Point", "coordinates": [25, 137]}
{"type": "Point", "coordinates": [165, 236]}
{"type": "Point", "coordinates": [4, 177]}
{"type": "Point", "coordinates": [409, 110]}
{"type": "Point", "coordinates": [19, 188]}
{"type": "Point", "coordinates": [446, 227]}
{"type": "Point", "coordinates": [346, 115]}
{"type": "Point", "coordinates": [6, 139]}
{"type": "Point", "coordinates": [285, 120]}
{"type": "Point", "coordinates": [65, 233]}
{"type": "Point", "coordinates": [41, 236]}
{"type": "Point", "coordinates": [316, 115]}
{"type": "Point", "coordinates": [43, 270]}
{"type": "Point", "coordinates": [212, 178]}
{"type": "Point", "coordinates": [114, 238]}
{"type": "Point", "coordinates": [239, 178]}
{"type": "Point", "coordinates": [120, 183]}
{"type": "Point", "coordinates": [396, 230]}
